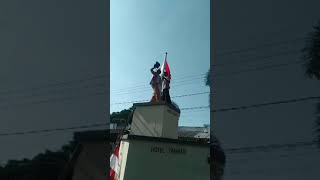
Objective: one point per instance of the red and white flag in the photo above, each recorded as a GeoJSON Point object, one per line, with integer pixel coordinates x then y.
{"type": "Point", "coordinates": [114, 164]}
{"type": "Point", "coordinates": [165, 68]}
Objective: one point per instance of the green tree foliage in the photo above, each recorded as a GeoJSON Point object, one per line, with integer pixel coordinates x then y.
{"type": "Point", "coordinates": [44, 166]}
{"type": "Point", "coordinates": [208, 80]}
{"type": "Point", "coordinates": [317, 129]}
{"type": "Point", "coordinates": [121, 117]}
{"type": "Point", "coordinates": [311, 53]}
{"type": "Point", "coordinates": [311, 56]}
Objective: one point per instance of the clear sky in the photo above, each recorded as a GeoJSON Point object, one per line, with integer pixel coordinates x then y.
{"type": "Point", "coordinates": [141, 32]}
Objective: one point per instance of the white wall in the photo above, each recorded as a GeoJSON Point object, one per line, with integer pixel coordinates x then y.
{"type": "Point", "coordinates": [143, 163]}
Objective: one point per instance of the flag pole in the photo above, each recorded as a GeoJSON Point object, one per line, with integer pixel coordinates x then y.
{"type": "Point", "coordinates": [166, 56]}
{"type": "Point", "coordinates": [162, 67]}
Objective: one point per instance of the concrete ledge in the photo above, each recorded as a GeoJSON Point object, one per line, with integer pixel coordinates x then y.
{"type": "Point", "coordinates": [166, 140]}
{"type": "Point", "coordinates": [176, 109]}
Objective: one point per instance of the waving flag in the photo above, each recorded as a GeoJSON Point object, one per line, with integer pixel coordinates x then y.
{"type": "Point", "coordinates": [165, 67]}
{"type": "Point", "coordinates": [114, 164]}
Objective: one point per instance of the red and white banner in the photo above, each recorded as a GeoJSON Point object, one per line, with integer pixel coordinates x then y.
{"type": "Point", "coordinates": [165, 68]}
{"type": "Point", "coordinates": [114, 164]}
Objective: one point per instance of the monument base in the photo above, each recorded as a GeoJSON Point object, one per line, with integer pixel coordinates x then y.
{"type": "Point", "coordinates": [155, 120]}
{"type": "Point", "coordinates": [146, 158]}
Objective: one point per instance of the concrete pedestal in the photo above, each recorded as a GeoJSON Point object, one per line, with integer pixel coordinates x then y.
{"type": "Point", "coordinates": [146, 158]}
{"type": "Point", "coordinates": [155, 120]}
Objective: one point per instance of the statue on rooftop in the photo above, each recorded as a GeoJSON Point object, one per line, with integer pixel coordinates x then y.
{"type": "Point", "coordinates": [165, 95]}
{"type": "Point", "coordinates": [155, 82]}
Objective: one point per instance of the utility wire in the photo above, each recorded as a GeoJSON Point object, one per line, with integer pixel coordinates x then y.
{"type": "Point", "coordinates": [203, 78]}
{"type": "Point", "coordinates": [254, 105]}
{"type": "Point", "coordinates": [185, 82]}
{"type": "Point", "coordinates": [194, 108]}
{"type": "Point", "coordinates": [287, 155]}
{"type": "Point", "coordinates": [239, 62]}
{"type": "Point", "coordinates": [178, 77]}
{"type": "Point", "coordinates": [57, 84]}
{"type": "Point", "coordinates": [191, 81]}
{"type": "Point", "coordinates": [54, 129]}
{"type": "Point", "coordinates": [57, 91]}
{"type": "Point", "coordinates": [237, 51]}
{"type": "Point", "coordinates": [258, 58]}
{"type": "Point", "coordinates": [231, 52]}
{"type": "Point", "coordinates": [146, 89]}
{"type": "Point", "coordinates": [269, 147]}
{"type": "Point", "coordinates": [174, 82]}
{"type": "Point", "coordinates": [260, 68]}
{"type": "Point", "coordinates": [53, 100]}
{"type": "Point", "coordinates": [240, 51]}
{"type": "Point", "coordinates": [272, 66]}
{"type": "Point", "coordinates": [310, 98]}
{"type": "Point", "coordinates": [177, 96]}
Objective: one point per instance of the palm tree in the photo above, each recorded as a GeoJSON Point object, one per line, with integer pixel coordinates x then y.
{"type": "Point", "coordinates": [311, 56]}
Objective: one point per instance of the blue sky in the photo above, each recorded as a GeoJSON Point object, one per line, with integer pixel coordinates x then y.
{"type": "Point", "coordinates": [141, 32]}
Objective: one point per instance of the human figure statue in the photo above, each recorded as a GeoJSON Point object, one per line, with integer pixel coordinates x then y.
{"type": "Point", "coordinates": [165, 95]}
{"type": "Point", "coordinates": [156, 82]}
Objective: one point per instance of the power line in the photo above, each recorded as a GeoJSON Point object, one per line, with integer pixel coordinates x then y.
{"type": "Point", "coordinates": [58, 91]}
{"type": "Point", "coordinates": [129, 102]}
{"type": "Point", "coordinates": [269, 147]}
{"type": "Point", "coordinates": [303, 154]}
{"type": "Point", "coordinates": [67, 83]}
{"type": "Point", "coordinates": [310, 98]}
{"type": "Point", "coordinates": [54, 129]}
{"type": "Point", "coordinates": [101, 76]}
{"type": "Point", "coordinates": [95, 77]}
{"type": "Point", "coordinates": [198, 108]}
{"type": "Point", "coordinates": [176, 85]}
{"type": "Point", "coordinates": [146, 85]}
{"type": "Point", "coordinates": [197, 111]}
{"type": "Point", "coordinates": [261, 68]}
{"type": "Point", "coordinates": [192, 108]}
{"type": "Point", "coordinates": [254, 105]}
{"type": "Point", "coordinates": [249, 49]}
{"type": "Point", "coordinates": [201, 76]}
{"type": "Point", "coordinates": [59, 129]}
{"type": "Point", "coordinates": [215, 65]}
{"type": "Point", "coordinates": [143, 84]}
{"type": "Point", "coordinates": [177, 96]}
{"type": "Point", "coordinates": [193, 94]}
{"type": "Point", "coordinates": [54, 100]}
{"type": "Point", "coordinates": [57, 84]}
{"type": "Point", "coordinates": [237, 51]}
{"type": "Point", "coordinates": [258, 58]}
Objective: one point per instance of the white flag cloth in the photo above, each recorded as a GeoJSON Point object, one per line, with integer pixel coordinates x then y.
{"type": "Point", "coordinates": [114, 164]}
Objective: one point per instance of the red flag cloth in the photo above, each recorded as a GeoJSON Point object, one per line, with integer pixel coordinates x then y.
{"type": "Point", "coordinates": [114, 164]}
{"type": "Point", "coordinates": [165, 68]}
